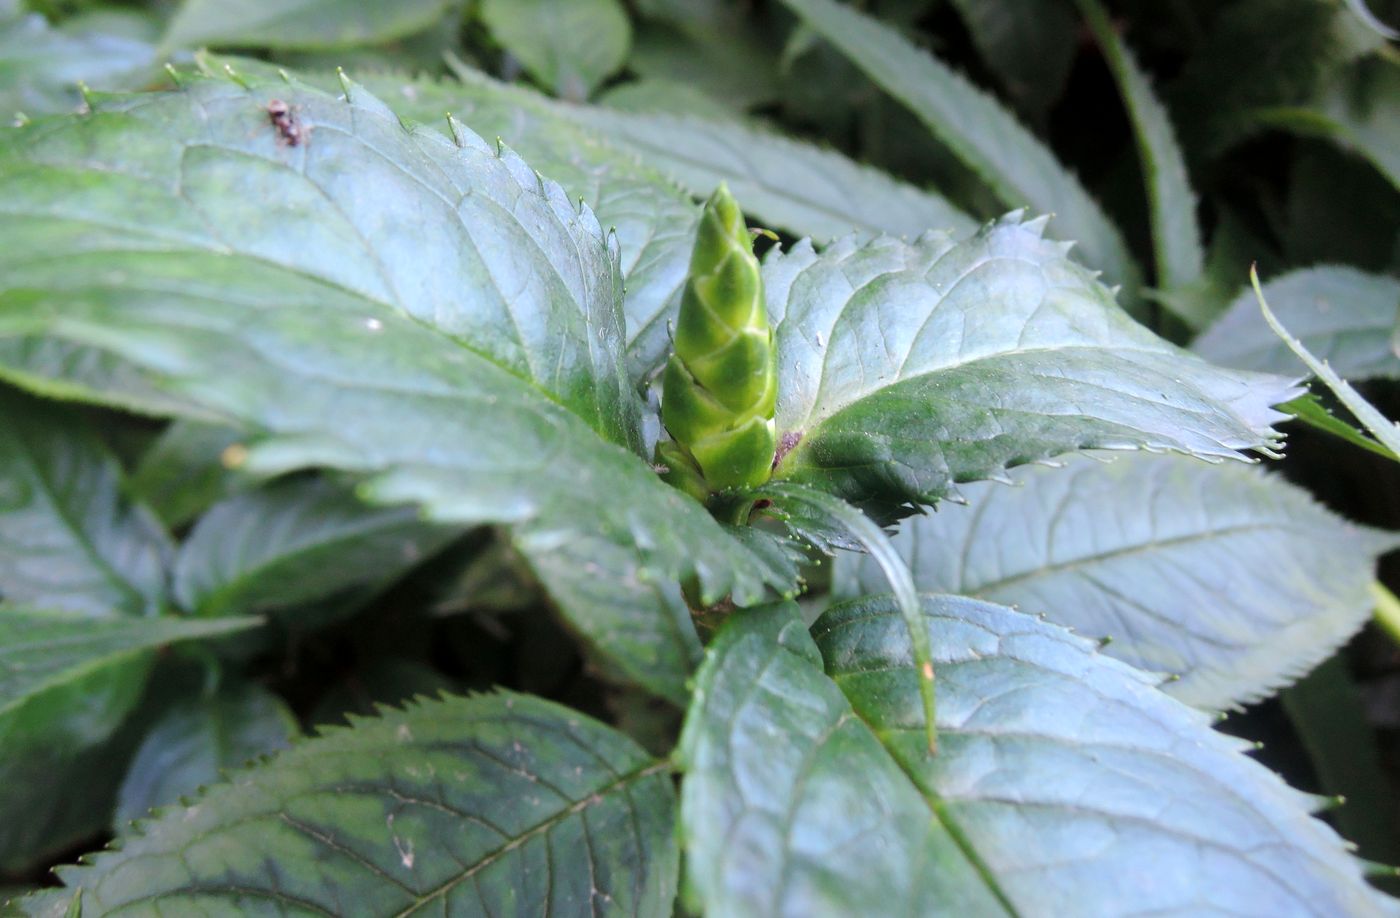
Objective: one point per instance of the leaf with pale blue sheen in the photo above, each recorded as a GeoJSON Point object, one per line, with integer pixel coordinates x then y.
{"type": "Point", "coordinates": [198, 739]}
{"type": "Point", "coordinates": [907, 368]}
{"type": "Point", "coordinates": [294, 542]}
{"type": "Point", "coordinates": [1345, 316]}
{"type": "Point", "coordinates": [1015, 165]}
{"type": "Point", "coordinates": [497, 804]}
{"type": "Point", "coordinates": [626, 165]}
{"type": "Point", "coordinates": [416, 310]}
{"type": "Point", "coordinates": [653, 217]}
{"type": "Point", "coordinates": [1076, 785]}
{"type": "Point", "coordinates": [790, 805]}
{"type": "Point", "coordinates": [69, 536]}
{"type": "Point", "coordinates": [1235, 581]}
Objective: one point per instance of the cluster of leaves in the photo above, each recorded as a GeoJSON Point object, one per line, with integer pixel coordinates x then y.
{"type": "Point", "coordinates": [335, 573]}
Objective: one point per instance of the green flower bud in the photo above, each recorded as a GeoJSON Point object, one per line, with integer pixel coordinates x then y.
{"type": "Point", "coordinates": [721, 384]}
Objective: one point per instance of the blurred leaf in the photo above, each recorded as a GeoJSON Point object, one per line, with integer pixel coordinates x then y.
{"type": "Point", "coordinates": [69, 537]}
{"type": "Point", "coordinates": [1234, 581]}
{"type": "Point", "coordinates": [388, 682]}
{"type": "Point", "coordinates": [1360, 111]}
{"type": "Point", "coordinates": [1255, 54]}
{"type": "Point", "coordinates": [41, 66]}
{"type": "Point", "coordinates": [1326, 710]}
{"type": "Point", "coordinates": [1176, 238]}
{"type": "Point", "coordinates": [664, 96]}
{"type": "Point", "coordinates": [1343, 315]}
{"type": "Point", "coordinates": [733, 65]}
{"type": "Point", "coordinates": [493, 804]}
{"type": "Point", "coordinates": [1338, 210]}
{"type": "Point", "coordinates": [294, 542]}
{"type": "Point", "coordinates": [198, 739]}
{"type": "Point", "coordinates": [1028, 44]}
{"type": "Point", "coordinates": [297, 23]}
{"type": "Point", "coordinates": [186, 471]}
{"type": "Point", "coordinates": [1021, 169]}
{"type": "Point", "coordinates": [790, 184]}
{"type": "Point", "coordinates": [569, 47]}
{"type": "Point", "coordinates": [67, 680]}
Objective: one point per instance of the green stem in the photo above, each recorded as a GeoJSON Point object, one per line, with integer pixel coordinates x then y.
{"type": "Point", "coordinates": [1387, 610]}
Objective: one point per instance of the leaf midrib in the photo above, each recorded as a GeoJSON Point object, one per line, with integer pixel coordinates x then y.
{"type": "Point", "coordinates": [542, 827]}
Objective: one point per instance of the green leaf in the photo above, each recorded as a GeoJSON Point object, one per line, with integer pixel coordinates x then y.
{"type": "Point", "coordinates": [790, 805]}
{"type": "Point", "coordinates": [729, 61]}
{"type": "Point", "coordinates": [197, 740]}
{"type": "Point", "coordinates": [907, 368]}
{"type": "Point", "coordinates": [1326, 710]}
{"type": "Point", "coordinates": [828, 522]}
{"type": "Point", "coordinates": [1176, 238]}
{"type": "Point", "coordinates": [186, 471]}
{"type": "Point", "coordinates": [1311, 411]}
{"type": "Point", "coordinates": [41, 66]}
{"type": "Point", "coordinates": [792, 185]}
{"type": "Point", "coordinates": [421, 312]}
{"type": "Point", "coordinates": [570, 48]}
{"type": "Point", "coordinates": [53, 798]}
{"type": "Point", "coordinates": [67, 680]}
{"type": "Point", "coordinates": [294, 542]}
{"type": "Point", "coordinates": [1253, 55]}
{"type": "Point", "coordinates": [69, 538]}
{"type": "Point", "coordinates": [1235, 581]}
{"type": "Point", "coordinates": [1343, 315]}
{"type": "Point", "coordinates": [1359, 111]}
{"type": "Point", "coordinates": [298, 23]}
{"type": "Point", "coordinates": [1015, 165]}
{"type": "Point", "coordinates": [1029, 45]}
{"type": "Point", "coordinates": [1384, 430]}
{"type": "Point", "coordinates": [1073, 784]}
{"type": "Point", "coordinates": [494, 804]}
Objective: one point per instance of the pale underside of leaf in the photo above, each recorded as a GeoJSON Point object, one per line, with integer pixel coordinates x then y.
{"type": "Point", "coordinates": [495, 804]}
{"type": "Point", "coordinates": [908, 368]}
{"type": "Point", "coordinates": [1019, 169]}
{"type": "Point", "coordinates": [1234, 581]}
{"type": "Point", "coordinates": [486, 390]}
{"type": "Point", "coordinates": [1346, 316]}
